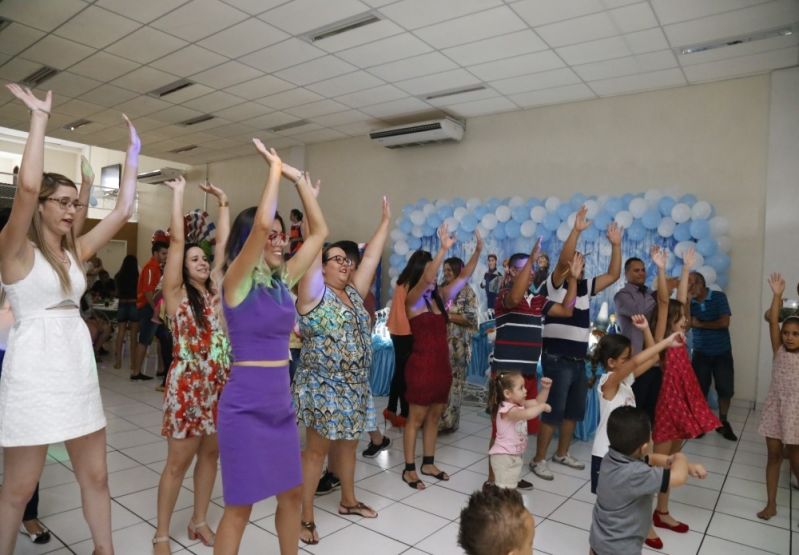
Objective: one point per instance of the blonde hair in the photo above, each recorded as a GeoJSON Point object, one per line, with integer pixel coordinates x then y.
{"type": "Point", "coordinates": [50, 183]}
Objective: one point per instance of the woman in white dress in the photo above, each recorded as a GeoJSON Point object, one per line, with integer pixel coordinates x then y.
{"type": "Point", "coordinates": [49, 391]}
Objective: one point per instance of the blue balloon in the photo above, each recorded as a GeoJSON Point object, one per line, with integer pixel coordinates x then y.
{"type": "Point", "coordinates": [651, 219]}
{"type": "Point", "coordinates": [688, 199]}
{"type": "Point", "coordinates": [407, 209]}
{"type": "Point", "coordinates": [682, 232]}
{"type": "Point", "coordinates": [462, 234]}
{"type": "Point", "coordinates": [614, 205]}
{"type": "Point", "coordinates": [481, 211]}
{"type": "Point", "coordinates": [707, 247]}
{"type": "Point", "coordinates": [719, 262]}
{"type": "Point", "coordinates": [520, 213]}
{"type": "Point", "coordinates": [590, 235]}
{"type": "Point", "coordinates": [444, 212]}
{"type": "Point", "coordinates": [534, 201]}
{"type": "Point", "coordinates": [723, 280]}
{"type": "Point", "coordinates": [433, 220]}
{"type": "Point", "coordinates": [551, 221]}
{"type": "Point", "coordinates": [545, 234]}
{"type": "Point", "coordinates": [700, 229]}
{"type": "Point", "coordinates": [396, 260]}
{"type": "Point", "coordinates": [665, 204]}
{"type": "Point", "coordinates": [468, 222]}
{"type": "Point", "coordinates": [457, 202]}
{"type": "Point", "coordinates": [498, 232]}
{"type": "Point", "coordinates": [602, 220]}
{"type": "Point", "coordinates": [563, 211]}
{"type": "Point", "coordinates": [637, 231]}
{"type": "Point", "coordinates": [626, 198]}
{"type": "Point", "coordinates": [677, 268]}
{"type": "Point", "coordinates": [406, 225]}
{"type": "Point", "coordinates": [522, 244]}
{"type": "Point", "coordinates": [421, 203]}
{"type": "Point", "coordinates": [513, 229]}
{"type": "Point", "coordinates": [428, 229]}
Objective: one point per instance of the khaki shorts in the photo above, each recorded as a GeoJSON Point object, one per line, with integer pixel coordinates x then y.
{"type": "Point", "coordinates": [507, 470]}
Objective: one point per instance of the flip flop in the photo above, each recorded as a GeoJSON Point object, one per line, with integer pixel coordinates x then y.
{"type": "Point", "coordinates": [357, 509]}
{"type": "Point", "coordinates": [311, 527]}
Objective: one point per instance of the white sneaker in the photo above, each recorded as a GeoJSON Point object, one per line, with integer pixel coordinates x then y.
{"type": "Point", "coordinates": [541, 469]}
{"type": "Point", "coordinates": [569, 461]}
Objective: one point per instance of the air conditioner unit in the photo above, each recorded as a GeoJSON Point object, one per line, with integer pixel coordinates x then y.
{"type": "Point", "coordinates": [419, 133]}
{"type": "Point", "coordinates": [158, 176]}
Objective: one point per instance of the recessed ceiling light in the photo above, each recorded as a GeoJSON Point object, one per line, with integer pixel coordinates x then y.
{"type": "Point", "coordinates": [343, 26]}
{"type": "Point", "coordinates": [774, 33]}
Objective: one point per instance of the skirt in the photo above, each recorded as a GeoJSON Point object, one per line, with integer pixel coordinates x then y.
{"type": "Point", "coordinates": [259, 444]}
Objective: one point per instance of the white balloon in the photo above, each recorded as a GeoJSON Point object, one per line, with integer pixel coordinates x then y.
{"type": "Point", "coordinates": [397, 234]}
{"type": "Point", "coordinates": [401, 247]}
{"type": "Point", "coordinates": [393, 272]}
{"type": "Point", "coordinates": [482, 230]}
{"type": "Point", "coordinates": [502, 213]}
{"type": "Point", "coordinates": [417, 217]}
{"type": "Point", "coordinates": [602, 199]}
{"type": "Point", "coordinates": [489, 221]}
{"type": "Point", "coordinates": [515, 201]}
{"type": "Point", "coordinates": [681, 212]}
{"type": "Point", "coordinates": [473, 203]}
{"type": "Point", "coordinates": [570, 220]}
{"type": "Point", "coordinates": [725, 243]}
{"type": "Point", "coordinates": [701, 210]}
{"type": "Point", "coordinates": [666, 227]}
{"type": "Point", "coordinates": [538, 213]}
{"type": "Point", "coordinates": [682, 246]}
{"type": "Point", "coordinates": [440, 203]}
{"type": "Point", "coordinates": [592, 208]}
{"type": "Point", "coordinates": [719, 225]}
{"type": "Point", "coordinates": [653, 195]}
{"type": "Point", "coordinates": [709, 273]}
{"type": "Point", "coordinates": [563, 231]}
{"type": "Point", "coordinates": [624, 219]}
{"type": "Point", "coordinates": [460, 212]}
{"type": "Point", "coordinates": [638, 206]}
{"type": "Point", "coordinates": [417, 231]}
{"type": "Point", "coordinates": [452, 224]}
{"type": "Point", "coordinates": [428, 209]}
{"type": "Point", "coordinates": [528, 228]}
{"type": "Point", "coordinates": [552, 203]}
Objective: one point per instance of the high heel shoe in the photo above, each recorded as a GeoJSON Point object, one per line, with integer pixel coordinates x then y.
{"type": "Point", "coordinates": [680, 527]}
{"type": "Point", "coordinates": [194, 534]}
{"type": "Point", "coordinates": [157, 540]}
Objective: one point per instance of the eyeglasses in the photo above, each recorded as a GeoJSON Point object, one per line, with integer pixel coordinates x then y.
{"type": "Point", "coordinates": [66, 202]}
{"type": "Point", "coordinates": [277, 238]}
{"type": "Point", "coordinates": [340, 260]}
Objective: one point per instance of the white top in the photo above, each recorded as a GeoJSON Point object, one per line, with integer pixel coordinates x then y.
{"type": "Point", "coordinates": [624, 398]}
{"type": "Point", "coordinates": [6, 323]}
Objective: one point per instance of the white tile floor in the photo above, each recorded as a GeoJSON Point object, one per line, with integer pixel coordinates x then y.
{"type": "Point", "coordinates": [721, 510]}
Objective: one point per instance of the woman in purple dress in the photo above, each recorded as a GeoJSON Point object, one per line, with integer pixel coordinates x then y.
{"type": "Point", "coordinates": [259, 445]}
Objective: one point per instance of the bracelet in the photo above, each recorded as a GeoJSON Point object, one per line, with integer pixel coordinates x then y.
{"type": "Point", "coordinates": [224, 204]}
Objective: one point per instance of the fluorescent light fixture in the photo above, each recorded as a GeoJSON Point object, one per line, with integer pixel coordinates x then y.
{"type": "Point", "coordinates": [173, 87]}
{"type": "Point", "coordinates": [78, 123]}
{"type": "Point", "coordinates": [39, 76]}
{"type": "Point", "coordinates": [183, 149]}
{"type": "Point", "coordinates": [465, 90]}
{"type": "Point", "coordinates": [198, 119]}
{"type": "Point", "coordinates": [289, 125]}
{"type": "Point", "coordinates": [343, 26]}
{"type": "Point", "coordinates": [781, 32]}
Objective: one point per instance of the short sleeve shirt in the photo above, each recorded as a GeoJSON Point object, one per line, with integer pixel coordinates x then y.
{"type": "Point", "coordinates": [518, 340]}
{"type": "Point", "coordinates": [632, 299]}
{"type": "Point", "coordinates": [149, 278]}
{"type": "Point", "coordinates": [713, 307]}
{"type": "Point", "coordinates": [569, 336]}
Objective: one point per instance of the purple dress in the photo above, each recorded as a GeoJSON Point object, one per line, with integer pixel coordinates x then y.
{"type": "Point", "coordinates": [259, 445]}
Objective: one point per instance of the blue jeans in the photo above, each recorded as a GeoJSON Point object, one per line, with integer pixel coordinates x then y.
{"type": "Point", "coordinates": [569, 388]}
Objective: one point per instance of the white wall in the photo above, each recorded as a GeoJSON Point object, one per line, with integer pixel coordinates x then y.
{"type": "Point", "coordinates": [781, 222]}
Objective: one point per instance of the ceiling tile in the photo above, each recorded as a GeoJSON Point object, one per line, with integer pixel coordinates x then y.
{"type": "Point", "coordinates": [519, 65]}
{"type": "Point", "coordinates": [358, 128]}
{"type": "Point", "coordinates": [289, 98]}
{"type": "Point", "coordinates": [282, 55]}
{"type": "Point", "coordinates": [542, 12]}
{"type": "Point", "coordinates": [321, 135]}
{"type": "Point", "coordinates": [378, 3]}
{"type": "Point", "coordinates": [41, 14]}
{"type": "Point", "coordinates": [79, 108]}
{"type": "Point", "coordinates": [641, 42]}
{"type": "Point", "coordinates": [145, 45]}
{"type": "Point", "coordinates": [213, 102]}
{"type": "Point", "coordinates": [69, 84]}
{"type": "Point", "coordinates": [600, 25]}
{"type": "Point", "coordinates": [260, 87]}
{"type": "Point", "coordinates": [188, 61]}
{"type": "Point", "coordinates": [183, 95]}
{"type": "Point", "coordinates": [340, 118]}
{"type": "Point", "coordinates": [299, 16]}
{"type": "Point", "coordinates": [271, 120]}
{"type": "Point", "coordinates": [242, 112]}
{"type": "Point", "coordinates": [385, 50]}
{"type": "Point", "coordinates": [543, 80]}
{"type": "Point", "coordinates": [254, 7]}
{"type": "Point", "coordinates": [673, 11]}
{"type": "Point", "coordinates": [490, 23]}
{"type": "Point", "coordinates": [482, 107]}
{"type": "Point", "coordinates": [199, 19]}
{"type": "Point", "coordinates": [226, 75]}
{"type": "Point", "coordinates": [639, 82]}
{"type": "Point", "coordinates": [96, 27]}
{"type": "Point", "coordinates": [368, 33]}
{"type": "Point", "coordinates": [16, 69]}
{"type": "Point", "coordinates": [319, 108]}
{"type": "Point", "coordinates": [743, 49]}
{"type": "Point", "coordinates": [103, 66]}
{"type": "Point", "coordinates": [144, 79]}
{"type": "Point", "coordinates": [558, 95]}
{"type": "Point", "coordinates": [293, 131]}
{"type": "Point", "coordinates": [143, 11]}
{"type": "Point", "coordinates": [744, 65]}
{"type": "Point", "coordinates": [17, 37]}
{"type": "Point", "coordinates": [412, 14]}
{"type": "Point", "coordinates": [367, 97]}
{"type": "Point", "coordinates": [107, 95]}
{"type": "Point", "coordinates": [315, 70]}
{"type": "Point", "coordinates": [629, 65]}
{"type": "Point", "coordinates": [462, 98]}
{"type": "Point", "coordinates": [429, 84]}
{"type": "Point", "coordinates": [495, 48]}
{"type": "Point", "coordinates": [57, 52]}
{"type": "Point", "coordinates": [175, 114]}
{"type": "Point", "coordinates": [396, 108]}
{"type": "Point", "coordinates": [243, 38]}
{"type": "Point", "coordinates": [731, 24]}
{"type": "Point", "coordinates": [141, 106]}
{"type": "Point", "coordinates": [413, 67]}
{"type": "Point", "coordinates": [356, 81]}
{"type": "Point", "coordinates": [235, 129]}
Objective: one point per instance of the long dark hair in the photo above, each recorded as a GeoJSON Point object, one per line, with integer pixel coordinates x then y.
{"type": "Point", "coordinates": [413, 272]}
{"type": "Point", "coordinates": [456, 264]}
{"type": "Point", "coordinates": [240, 230]}
{"type": "Point", "coordinates": [127, 277]}
{"type": "Point", "coordinates": [196, 299]}
{"type": "Point", "coordinates": [610, 346]}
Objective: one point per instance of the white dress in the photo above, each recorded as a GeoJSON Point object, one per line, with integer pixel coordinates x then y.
{"type": "Point", "coordinates": [49, 390]}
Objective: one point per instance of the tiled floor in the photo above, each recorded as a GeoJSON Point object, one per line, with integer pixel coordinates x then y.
{"type": "Point", "coordinates": [721, 510]}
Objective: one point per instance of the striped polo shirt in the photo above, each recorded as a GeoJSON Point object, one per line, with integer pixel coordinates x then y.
{"type": "Point", "coordinates": [518, 340]}
{"type": "Point", "coordinates": [713, 307]}
{"type": "Point", "coordinates": [569, 336]}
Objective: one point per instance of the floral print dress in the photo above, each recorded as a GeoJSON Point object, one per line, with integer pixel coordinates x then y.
{"type": "Point", "coordinates": [200, 368]}
{"type": "Point", "coordinates": [460, 354]}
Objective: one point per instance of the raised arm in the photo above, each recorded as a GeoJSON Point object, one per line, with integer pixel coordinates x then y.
{"type": "Point", "coordinates": [238, 277]}
{"type": "Point", "coordinates": [317, 227]}
{"type": "Point", "coordinates": [86, 184]}
{"type": "Point", "coordinates": [659, 257]}
{"type": "Point", "coordinates": [105, 230]}
{"type": "Point", "coordinates": [615, 233]}
{"type": "Point", "coordinates": [565, 308]}
{"type": "Point", "coordinates": [689, 260]}
{"type": "Point", "coordinates": [451, 290]}
{"type": "Point", "coordinates": [581, 223]}
{"type": "Point", "coordinates": [222, 224]}
{"type": "Point", "coordinates": [173, 268]}
{"type": "Point", "coordinates": [311, 286]}
{"type": "Point", "coordinates": [362, 278]}
{"type": "Point", "coordinates": [777, 284]}
{"type": "Point", "coordinates": [520, 282]}
{"type": "Point", "coordinates": [431, 271]}
{"type": "Point", "coordinates": [14, 243]}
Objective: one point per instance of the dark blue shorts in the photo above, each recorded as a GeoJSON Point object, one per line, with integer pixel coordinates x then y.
{"type": "Point", "coordinates": [127, 312]}
{"type": "Point", "coordinates": [719, 368]}
{"type": "Point", "coordinates": [147, 327]}
{"type": "Point", "coordinates": [569, 388]}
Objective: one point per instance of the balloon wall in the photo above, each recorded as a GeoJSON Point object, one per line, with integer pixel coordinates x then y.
{"type": "Point", "coordinates": [512, 225]}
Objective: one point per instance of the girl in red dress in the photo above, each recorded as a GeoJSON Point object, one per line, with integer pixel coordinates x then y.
{"type": "Point", "coordinates": [428, 375]}
{"type": "Point", "coordinates": [681, 412]}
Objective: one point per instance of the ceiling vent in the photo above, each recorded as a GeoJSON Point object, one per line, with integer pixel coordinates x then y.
{"type": "Point", "coordinates": [173, 87]}
{"type": "Point", "coordinates": [419, 133]}
{"type": "Point", "coordinates": [454, 92]}
{"type": "Point", "coordinates": [195, 121]}
{"type": "Point", "coordinates": [39, 76]}
{"type": "Point", "coordinates": [183, 149]}
{"type": "Point", "coordinates": [289, 125]}
{"type": "Point", "coordinates": [343, 26]}
{"type": "Point", "coordinates": [158, 176]}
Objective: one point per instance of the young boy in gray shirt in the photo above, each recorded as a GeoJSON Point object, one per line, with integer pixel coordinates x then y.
{"type": "Point", "coordinates": [628, 479]}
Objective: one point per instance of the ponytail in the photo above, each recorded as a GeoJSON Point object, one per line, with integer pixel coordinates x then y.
{"type": "Point", "coordinates": [497, 387]}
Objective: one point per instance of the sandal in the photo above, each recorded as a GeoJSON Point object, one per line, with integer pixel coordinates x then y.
{"type": "Point", "coordinates": [428, 461]}
{"type": "Point", "coordinates": [311, 527]}
{"type": "Point", "coordinates": [157, 540]}
{"type": "Point", "coordinates": [38, 538]}
{"type": "Point", "coordinates": [194, 534]}
{"type": "Point", "coordinates": [414, 484]}
{"type": "Point", "coordinates": [358, 509]}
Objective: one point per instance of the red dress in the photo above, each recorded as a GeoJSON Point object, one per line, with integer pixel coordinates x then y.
{"type": "Point", "coordinates": [428, 375]}
{"type": "Point", "coordinates": [681, 411]}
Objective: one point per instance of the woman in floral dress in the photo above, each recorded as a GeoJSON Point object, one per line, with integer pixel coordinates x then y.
{"type": "Point", "coordinates": [461, 326]}
{"type": "Point", "coordinates": [199, 370]}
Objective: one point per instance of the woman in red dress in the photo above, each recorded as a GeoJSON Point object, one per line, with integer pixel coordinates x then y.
{"type": "Point", "coordinates": [428, 375]}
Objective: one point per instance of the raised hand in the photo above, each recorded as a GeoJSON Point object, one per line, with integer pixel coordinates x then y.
{"type": "Point", "coordinates": [212, 189]}
{"type": "Point", "coordinates": [29, 99]}
{"type": "Point", "coordinates": [581, 222]}
{"type": "Point", "coordinates": [268, 154]}
{"type": "Point", "coordinates": [177, 184]}
{"type": "Point", "coordinates": [659, 257]}
{"type": "Point", "coordinates": [447, 240]}
{"type": "Point", "coordinates": [86, 172]}
{"type": "Point", "coordinates": [315, 187]}
{"type": "Point", "coordinates": [478, 239]}
{"type": "Point", "coordinates": [689, 258]}
{"type": "Point", "coordinates": [777, 284]}
{"type": "Point", "coordinates": [546, 383]}
{"type": "Point", "coordinates": [615, 233]}
{"type": "Point", "coordinates": [134, 142]}
{"type": "Point", "coordinates": [576, 265]}
{"type": "Point", "coordinates": [536, 252]}
{"type": "Point", "coordinates": [386, 209]}
{"type": "Point", "coordinates": [640, 321]}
